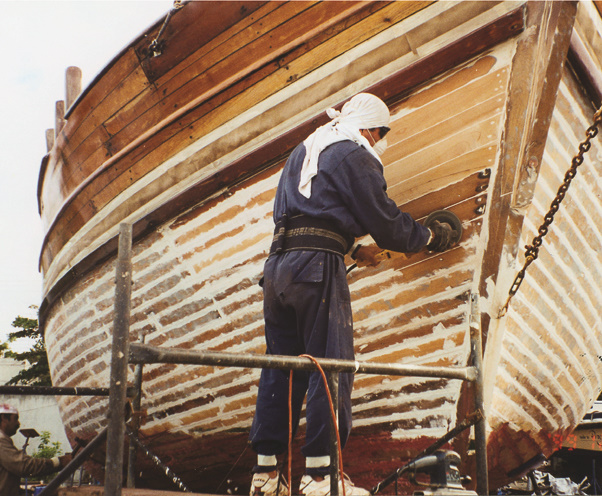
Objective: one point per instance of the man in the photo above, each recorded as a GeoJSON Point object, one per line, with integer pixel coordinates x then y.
{"type": "Point", "coordinates": [332, 190]}
{"type": "Point", "coordinates": [14, 463]}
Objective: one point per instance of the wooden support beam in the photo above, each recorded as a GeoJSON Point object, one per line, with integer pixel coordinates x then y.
{"type": "Point", "coordinates": [73, 85]}
{"type": "Point", "coordinates": [59, 117]}
{"type": "Point", "coordinates": [49, 139]}
{"type": "Point", "coordinates": [119, 364]}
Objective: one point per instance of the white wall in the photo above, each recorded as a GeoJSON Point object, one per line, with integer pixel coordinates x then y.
{"type": "Point", "coordinates": [35, 412]}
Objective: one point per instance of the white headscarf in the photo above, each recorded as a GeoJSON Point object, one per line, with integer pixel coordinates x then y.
{"type": "Point", "coordinates": [363, 111]}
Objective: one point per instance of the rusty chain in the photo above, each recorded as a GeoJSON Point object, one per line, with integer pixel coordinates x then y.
{"type": "Point", "coordinates": [532, 250]}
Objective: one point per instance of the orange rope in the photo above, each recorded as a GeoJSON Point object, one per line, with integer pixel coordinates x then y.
{"type": "Point", "coordinates": [334, 421]}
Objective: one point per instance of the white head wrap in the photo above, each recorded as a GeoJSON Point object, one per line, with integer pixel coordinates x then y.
{"type": "Point", "coordinates": [5, 408]}
{"type": "Point", "coordinates": [363, 111]}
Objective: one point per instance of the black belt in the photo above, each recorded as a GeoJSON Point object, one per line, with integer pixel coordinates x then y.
{"type": "Point", "coordinates": [308, 233]}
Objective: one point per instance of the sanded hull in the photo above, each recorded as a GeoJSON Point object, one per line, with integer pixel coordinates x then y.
{"type": "Point", "coordinates": [195, 169]}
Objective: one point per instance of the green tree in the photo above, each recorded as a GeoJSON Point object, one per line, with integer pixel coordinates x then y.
{"type": "Point", "coordinates": [38, 372]}
{"type": "Point", "coordinates": [47, 448]}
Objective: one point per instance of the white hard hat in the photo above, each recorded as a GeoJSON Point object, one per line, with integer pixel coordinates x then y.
{"type": "Point", "coordinates": [6, 408]}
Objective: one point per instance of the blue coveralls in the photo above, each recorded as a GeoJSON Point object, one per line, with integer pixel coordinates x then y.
{"type": "Point", "coordinates": [307, 307]}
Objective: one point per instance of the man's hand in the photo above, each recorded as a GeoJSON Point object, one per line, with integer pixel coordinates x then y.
{"type": "Point", "coordinates": [446, 230]}
{"type": "Point", "coordinates": [369, 256]}
{"type": "Point", "coordinates": [442, 236]}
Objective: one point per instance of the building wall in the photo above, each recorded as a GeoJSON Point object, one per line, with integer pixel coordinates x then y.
{"type": "Point", "coordinates": [35, 412]}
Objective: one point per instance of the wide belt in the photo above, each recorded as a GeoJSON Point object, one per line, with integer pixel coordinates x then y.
{"type": "Point", "coordinates": [308, 233]}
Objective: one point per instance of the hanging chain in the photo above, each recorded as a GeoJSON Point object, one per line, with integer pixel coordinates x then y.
{"type": "Point", "coordinates": [532, 251]}
{"type": "Point", "coordinates": [156, 47]}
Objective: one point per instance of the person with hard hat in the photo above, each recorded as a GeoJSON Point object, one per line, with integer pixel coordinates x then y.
{"type": "Point", "coordinates": [332, 190]}
{"type": "Point", "coordinates": [14, 463]}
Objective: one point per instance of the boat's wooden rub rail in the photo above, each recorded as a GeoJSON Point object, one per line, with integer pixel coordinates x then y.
{"type": "Point", "coordinates": [88, 202]}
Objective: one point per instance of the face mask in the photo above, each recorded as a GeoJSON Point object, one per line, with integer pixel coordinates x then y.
{"type": "Point", "coordinates": [380, 147]}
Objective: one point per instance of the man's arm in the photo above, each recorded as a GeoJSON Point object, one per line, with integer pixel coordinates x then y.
{"type": "Point", "coordinates": [363, 188]}
{"type": "Point", "coordinates": [22, 465]}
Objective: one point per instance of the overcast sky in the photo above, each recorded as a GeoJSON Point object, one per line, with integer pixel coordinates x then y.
{"type": "Point", "coordinates": [39, 40]}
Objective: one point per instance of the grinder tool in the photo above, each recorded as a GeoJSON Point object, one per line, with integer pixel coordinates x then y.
{"type": "Point", "coordinates": [446, 217]}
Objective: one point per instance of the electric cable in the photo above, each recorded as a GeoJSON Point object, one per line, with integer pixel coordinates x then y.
{"type": "Point", "coordinates": [290, 429]}
{"type": "Point", "coordinates": [334, 421]}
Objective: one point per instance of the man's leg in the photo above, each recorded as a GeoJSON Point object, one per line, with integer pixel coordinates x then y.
{"type": "Point", "coordinates": [269, 431]}
{"type": "Point", "coordinates": [328, 334]}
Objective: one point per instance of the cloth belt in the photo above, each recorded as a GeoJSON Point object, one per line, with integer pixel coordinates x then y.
{"type": "Point", "coordinates": [308, 233]}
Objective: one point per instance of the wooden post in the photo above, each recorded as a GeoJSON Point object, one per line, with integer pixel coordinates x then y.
{"type": "Point", "coordinates": [136, 403]}
{"type": "Point", "coordinates": [49, 139]}
{"type": "Point", "coordinates": [476, 349]}
{"type": "Point", "coordinates": [119, 364]}
{"type": "Point", "coordinates": [59, 117]}
{"type": "Point", "coordinates": [73, 85]}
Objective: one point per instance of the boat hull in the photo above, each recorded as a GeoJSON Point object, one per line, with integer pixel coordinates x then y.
{"type": "Point", "coordinates": [484, 115]}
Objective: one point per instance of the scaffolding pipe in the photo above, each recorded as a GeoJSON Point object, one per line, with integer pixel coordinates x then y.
{"type": "Point", "coordinates": [143, 353]}
{"type": "Point", "coordinates": [335, 466]}
{"type": "Point", "coordinates": [476, 349]}
{"type": "Point", "coordinates": [58, 391]}
{"type": "Point", "coordinates": [135, 423]}
{"type": "Point", "coordinates": [74, 464]}
{"type": "Point", "coordinates": [119, 364]}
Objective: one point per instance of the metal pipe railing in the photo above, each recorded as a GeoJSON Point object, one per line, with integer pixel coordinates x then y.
{"type": "Point", "coordinates": [124, 352]}
{"type": "Point", "coordinates": [74, 464]}
{"type": "Point", "coordinates": [144, 353]}
{"type": "Point", "coordinates": [476, 352]}
{"type": "Point", "coordinates": [59, 391]}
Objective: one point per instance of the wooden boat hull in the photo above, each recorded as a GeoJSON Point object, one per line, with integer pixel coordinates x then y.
{"type": "Point", "coordinates": [188, 147]}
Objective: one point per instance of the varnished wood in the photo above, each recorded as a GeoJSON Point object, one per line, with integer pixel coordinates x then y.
{"type": "Point", "coordinates": [73, 85]}
{"type": "Point", "coordinates": [470, 119]}
{"type": "Point", "coordinates": [70, 222]}
{"type": "Point", "coordinates": [59, 117]}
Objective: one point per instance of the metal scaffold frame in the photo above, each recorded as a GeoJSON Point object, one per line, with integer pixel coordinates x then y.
{"type": "Point", "coordinates": [124, 353]}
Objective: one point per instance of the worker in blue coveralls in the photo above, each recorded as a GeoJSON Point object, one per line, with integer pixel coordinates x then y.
{"type": "Point", "coordinates": [332, 190]}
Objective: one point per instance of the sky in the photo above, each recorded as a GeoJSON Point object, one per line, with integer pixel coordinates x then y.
{"type": "Point", "coordinates": [39, 40]}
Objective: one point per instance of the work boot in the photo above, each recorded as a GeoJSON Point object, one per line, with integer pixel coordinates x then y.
{"type": "Point", "coordinates": [312, 487]}
{"type": "Point", "coordinates": [264, 485]}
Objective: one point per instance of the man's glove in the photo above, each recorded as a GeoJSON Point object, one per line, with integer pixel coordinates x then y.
{"type": "Point", "coordinates": [446, 229]}
{"type": "Point", "coordinates": [443, 236]}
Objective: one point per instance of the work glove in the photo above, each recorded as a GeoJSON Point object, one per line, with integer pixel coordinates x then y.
{"type": "Point", "coordinates": [443, 236]}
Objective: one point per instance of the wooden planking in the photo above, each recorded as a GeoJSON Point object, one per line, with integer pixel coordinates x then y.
{"type": "Point", "coordinates": [85, 123]}
{"type": "Point", "coordinates": [221, 308]}
{"type": "Point", "coordinates": [466, 137]}
{"type": "Point", "coordinates": [79, 209]}
{"type": "Point", "coordinates": [153, 193]}
{"type": "Point", "coordinates": [185, 281]}
{"type": "Point", "coordinates": [199, 25]}
{"type": "Point", "coordinates": [555, 314]}
{"type": "Point", "coordinates": [115, 90]}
